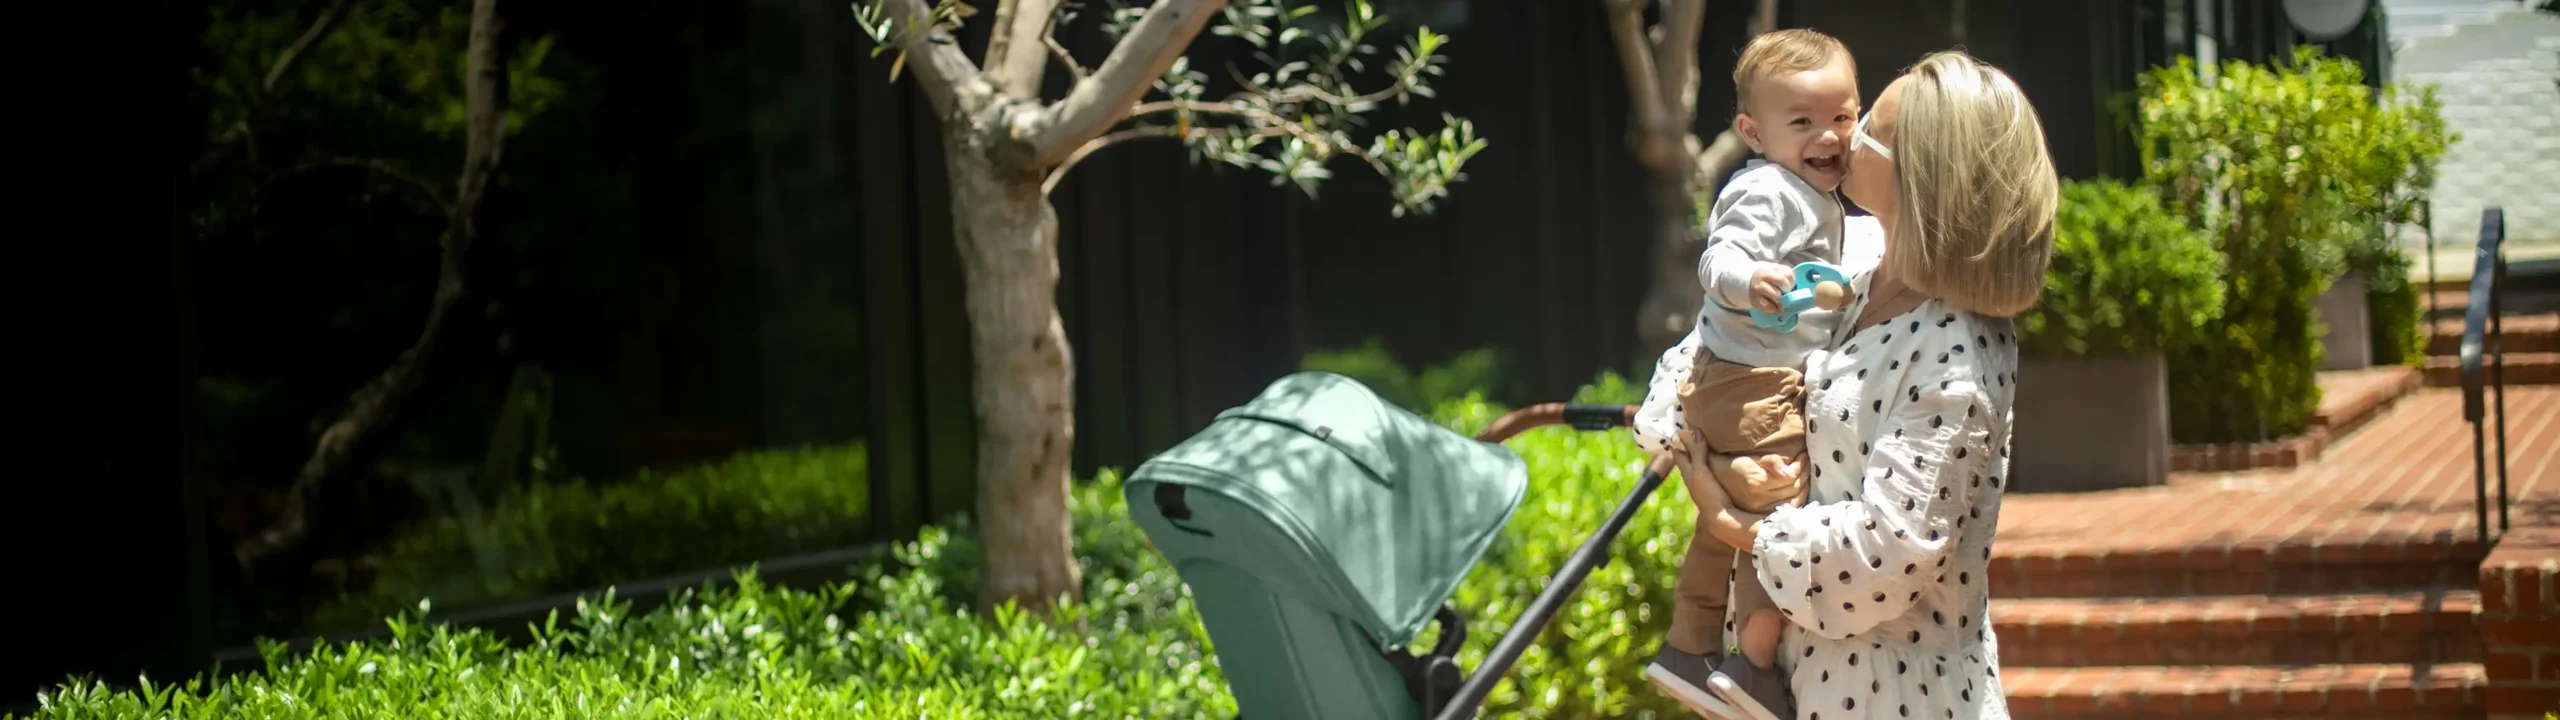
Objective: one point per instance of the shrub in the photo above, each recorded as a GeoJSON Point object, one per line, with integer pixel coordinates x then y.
{"type": "Point", "coordinates": [568, 536]}
{"type": "Point", "coordinates": [2399, 327]}
{"type": "Point", "coordinates": [2127, 277]}
{"type": "Point", "coordinates": [2284, 166]}
{"type": "Point", "coordinates": [1481, 370]}
{"type": "Point", "coordinates": [758, 651]}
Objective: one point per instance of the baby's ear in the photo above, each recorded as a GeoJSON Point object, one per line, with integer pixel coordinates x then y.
{"type": "Point", "coordinates": [1749, 131]}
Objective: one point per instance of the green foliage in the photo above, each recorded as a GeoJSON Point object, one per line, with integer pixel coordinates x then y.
{"type": "Point", "coordinates": [1589, 661]}
{"type": "Point", "coordinates": [917, 652]}
{"type": "Point", "coordinates": [2391, 301]}
{"type": "Point", "coordinates": [386, 72]}
{"type": "Point", "coordinates": [1289, 119]}
{"type": "Point", "coordinates": [2127, 276]}
{"type": "Point", "coordinates": [567, 536]}
{"type": "Point", "coordinates": [2286, 166]}
{"type": "Point", "coordinates": [753, 651]}
{"type": "Point", "coordinates": [1292, 119]}
{"type": "Point", "coordinates": [1371, 363]}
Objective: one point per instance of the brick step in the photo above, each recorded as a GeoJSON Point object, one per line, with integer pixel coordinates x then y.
{"type": "Point", "coordinates": [2380, 562]}
{"type": "Point", "coordinates": [2406, 626]}
{"type": "Point", "coordinates": [2522, 333]}
{"type": "Point", "coordinates": [2367, 692]}
{"type": "Point", "coordinates": [2534, 368]}
{"type": "Point", "coordinates": [2450, 305]}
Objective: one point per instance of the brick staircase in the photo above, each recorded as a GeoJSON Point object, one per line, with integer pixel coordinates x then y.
{"type": "Point", "coordinates": [2378, 628]}
{"type": "Point", "coordinates": [2531, 334]}
{"type": "Point", "coordinates": [2346, 588]}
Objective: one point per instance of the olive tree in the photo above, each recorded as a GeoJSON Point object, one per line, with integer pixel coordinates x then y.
{"type": "Point", "coordinates": [1006, 147]}
{"type": "Point", "coordinates": [1661, 66]}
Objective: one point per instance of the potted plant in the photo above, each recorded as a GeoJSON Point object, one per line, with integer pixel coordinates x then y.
{"type": "Point", "coordinates": [2129, 280]}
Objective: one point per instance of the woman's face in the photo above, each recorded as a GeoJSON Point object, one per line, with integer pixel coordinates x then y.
{"type": "Point", "coordinates": [1871, 182]}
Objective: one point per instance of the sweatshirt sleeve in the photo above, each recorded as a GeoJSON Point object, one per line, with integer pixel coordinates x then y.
{"type": "Point", "coordinates": [1755, 223]}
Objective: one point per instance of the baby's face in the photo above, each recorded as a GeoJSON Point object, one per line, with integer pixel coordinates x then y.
{"type": "Point", "coordinates": [1801, 121]}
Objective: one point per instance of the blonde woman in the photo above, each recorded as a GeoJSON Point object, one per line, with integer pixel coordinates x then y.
{"type": "Point", "coordinates": [1881, 574]}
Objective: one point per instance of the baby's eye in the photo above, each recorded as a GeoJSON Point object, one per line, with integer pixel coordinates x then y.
{"type": "Point", "coordinates": [1800, 122]}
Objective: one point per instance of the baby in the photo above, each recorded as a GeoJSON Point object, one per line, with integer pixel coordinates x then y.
{"type": "Point", "coordinates": [1740, 387]}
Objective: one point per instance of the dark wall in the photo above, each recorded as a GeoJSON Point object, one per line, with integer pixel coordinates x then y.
{"type": "Point", "coordinates": [1188, 288]}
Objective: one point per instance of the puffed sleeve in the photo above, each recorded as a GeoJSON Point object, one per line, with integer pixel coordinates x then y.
{"type": "Point", "coordinates": [1840, 568]}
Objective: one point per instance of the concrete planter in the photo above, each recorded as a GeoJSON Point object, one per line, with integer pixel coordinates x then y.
{"type": "Point", "coordinates": [2090, 423]}
{"type": "Point", "coordinates": [2348, 345]}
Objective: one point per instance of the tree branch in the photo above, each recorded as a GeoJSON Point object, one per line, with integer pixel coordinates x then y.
{"type": "Point", "coordinates": [1675, 59]}
{"type": "Point", "coordinates": [948, 78]}
{"type": "Point", "coordinates": [1278, 125]}
{"type": "Point", "coordinates": [1136, 61]}
{"type": "Point", "coordinates": [1303, 92]}
{"type": "Point", "coordinates": [374, 408]}
{"type": "Point", "coordinates": [1064, 57]}
{"type": "Point", "coordinates": [1017, 67]}
{"type": "Point", "coordinates": [1718, 159]}
{"type": "Point", "coordinates": [1655, 135]}
{"type": "Point", "coordinates": [319, 29]}
{"type": "Point", "coordinates": [376, 166]}
{"type": "Point", "coordinates": [239, 132]}
{"type": "Point", "coordinates": [1115, 138]}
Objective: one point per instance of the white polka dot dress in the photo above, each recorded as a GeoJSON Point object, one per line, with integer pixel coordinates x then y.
{"type": "Point", "coordinates": [1659, 420]}
{"type": "Point", "coordinates": [1883, 574]}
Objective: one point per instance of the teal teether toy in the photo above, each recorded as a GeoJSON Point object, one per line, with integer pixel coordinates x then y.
{"type": "Point", "coordinates": [1810, 292]}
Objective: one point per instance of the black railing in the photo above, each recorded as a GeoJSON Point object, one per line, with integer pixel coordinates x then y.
{"type": "Point", "coordinates": [2484, 338]}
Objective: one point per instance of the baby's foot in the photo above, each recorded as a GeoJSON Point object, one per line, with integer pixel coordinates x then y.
{"type": "Point", "coordinates": [1686, 676]}
{"type": "Point", "coordinates": [1761, 693]}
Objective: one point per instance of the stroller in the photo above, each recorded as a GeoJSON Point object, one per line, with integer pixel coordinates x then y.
{"type": "Point", "coordinates": [1321, 528]}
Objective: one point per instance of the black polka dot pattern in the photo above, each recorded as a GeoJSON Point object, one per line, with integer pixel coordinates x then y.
{"type": "Point", "coordinates": [1903, 476]}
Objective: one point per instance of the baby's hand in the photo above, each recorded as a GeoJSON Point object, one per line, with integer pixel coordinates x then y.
{"type": "Point", "coordinates": [1769, 286]}
{"type": "Point", "coordinates": [1778, 466]}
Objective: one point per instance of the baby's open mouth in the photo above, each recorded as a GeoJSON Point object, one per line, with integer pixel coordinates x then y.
{"type": "Point", "coordinates": [1825, 163]}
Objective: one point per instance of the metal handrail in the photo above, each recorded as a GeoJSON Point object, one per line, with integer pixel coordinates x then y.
{"type": "Point", "coordinates": [2483, 335]}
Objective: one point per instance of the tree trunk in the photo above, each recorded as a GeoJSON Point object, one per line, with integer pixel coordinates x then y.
{"type": "Point", "coordinates": [1673, 297]}
{"type": "Point", "coordinates": [377, 406]}
{"type": "Point", "coordinates": [1025, 375]}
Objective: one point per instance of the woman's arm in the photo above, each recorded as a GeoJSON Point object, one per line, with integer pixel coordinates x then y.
{"type": "Point", "coordinates": [1840, 568]}
{"type": "Point", "coordinates": [1699, 472]}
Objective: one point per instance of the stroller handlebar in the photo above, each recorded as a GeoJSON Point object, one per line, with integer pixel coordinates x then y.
{"type": "Point", "coordinates": [1593, 553]}
{"type": "Point", "coordinates": [1580, 416]}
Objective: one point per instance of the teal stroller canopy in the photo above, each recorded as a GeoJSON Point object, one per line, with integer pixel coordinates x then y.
{"type": "Point", "coordinates": [1325, 493]}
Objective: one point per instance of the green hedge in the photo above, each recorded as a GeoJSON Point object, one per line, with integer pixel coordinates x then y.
{"type": "Point", "coordinates": [558, 537]}
{"type": "Point", "coordinates": [757, 651]}
{"type": "Point", "coordinates": [2128, 276]}
{"type": "Point", "coordinates": [2288, 167]}
{"type": "Point", "coordinates": [1482, 370]}
{"type": "Point", "coordinates": [2392, 306]}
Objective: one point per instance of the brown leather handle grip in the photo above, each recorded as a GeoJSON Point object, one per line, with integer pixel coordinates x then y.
{"type": "Point", "coordinates": [1587, 417]}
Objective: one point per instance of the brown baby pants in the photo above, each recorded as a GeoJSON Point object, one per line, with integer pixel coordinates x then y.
{"type": "Point", "coordinates": [1744, 412]}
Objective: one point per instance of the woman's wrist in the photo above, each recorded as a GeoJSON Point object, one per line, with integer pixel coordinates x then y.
{"type": "Point", "coordinates": [1736, 528]}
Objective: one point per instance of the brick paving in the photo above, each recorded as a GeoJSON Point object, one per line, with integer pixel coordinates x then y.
{"type": "Point", "coordinates": [2341, 588]}
{"type": "Point", "coordinates": [2405, 478]}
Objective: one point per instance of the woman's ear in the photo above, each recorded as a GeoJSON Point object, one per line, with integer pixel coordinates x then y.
{"type": "Point", "coordinates": [1749, 131]}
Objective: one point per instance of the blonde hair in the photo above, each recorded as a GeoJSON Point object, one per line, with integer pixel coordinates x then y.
{"type": "Point", "coordinates": [1973, 220]}
{"type": "Point", "coordinates": [1784, 51]}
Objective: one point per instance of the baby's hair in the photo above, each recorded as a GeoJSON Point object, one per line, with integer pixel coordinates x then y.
{"type": "Point", "coordinates": [1974, 214]}
{"type": "Point", "coordinates": [1784, 51]}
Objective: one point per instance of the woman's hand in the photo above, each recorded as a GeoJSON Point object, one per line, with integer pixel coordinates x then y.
{"type": "Point", "coordinates": [1703, 471]}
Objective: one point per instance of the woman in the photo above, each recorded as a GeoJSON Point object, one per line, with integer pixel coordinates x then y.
{"type": "Point", "coordinates": [1882, 572]}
